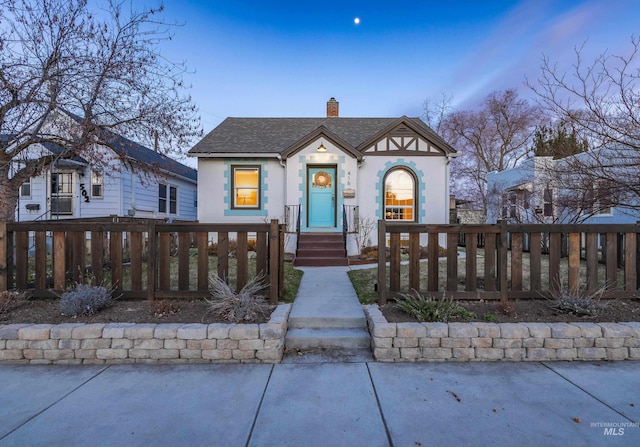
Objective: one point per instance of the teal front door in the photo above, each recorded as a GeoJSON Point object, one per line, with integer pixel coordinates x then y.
{"type": "Point", "coordinates": [321, 184]}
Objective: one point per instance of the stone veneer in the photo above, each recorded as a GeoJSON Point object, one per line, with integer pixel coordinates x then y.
{"type": "Point", "coordinates": [438, 342]}
{"type": "Point", "coordinates": [113, 343]}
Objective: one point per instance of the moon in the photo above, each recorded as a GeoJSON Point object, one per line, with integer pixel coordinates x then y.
{"type": "Point", "coordinates": [356, 20]}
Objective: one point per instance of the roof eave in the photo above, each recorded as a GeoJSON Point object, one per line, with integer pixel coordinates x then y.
{"type": "Point", "coordinates": [322, 132]}
{"type": "Point", "coordinates": [235, 155]}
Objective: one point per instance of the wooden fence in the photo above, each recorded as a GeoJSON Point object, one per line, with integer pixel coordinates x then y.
{"type": "Point", "coordinates": [44, 257]}
{"type": "Point", "coordinates": [517, 261]}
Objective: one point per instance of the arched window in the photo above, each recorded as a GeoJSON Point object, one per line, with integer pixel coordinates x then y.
{"type": "Point", "coordinates": [400, 195]}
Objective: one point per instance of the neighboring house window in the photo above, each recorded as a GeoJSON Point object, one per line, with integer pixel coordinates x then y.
{"type": "Point", "coordinates": [173, 200]}
{"type": "Point", "coordinates": [510, 205]}
{"type": "Point", "coordinates": [25, 189]}
{"type": "Point", "coordinates": [97, 184]}
{"type": "Point", "coordinates": [547, 209]}
{"type": "Point", "coordinates": [399, 195]}
{"type": "Point", "coordinates": [167, 195]}
{"type": "Point", "coordinates": [246, 186]}
{"type": "Point", "coordinates": [515, 204]}
{"type": "Point", "coordinates": [162, 198]}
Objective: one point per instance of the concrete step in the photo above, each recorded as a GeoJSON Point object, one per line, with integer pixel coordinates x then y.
{"type": "Point", "coordinates": [326, 321]}
{"type": "Point", "coordinates": [321, 244]}
{"type": "Point", "coordinates": [324, 252]}
{"type": "Point", "coordinates": [320, 250]}
{"type": "Point", "coordinates": [320, 237]}
{"type": "Point", "coordinates": [320, 262]}
{"type": "Point", "coordinates": [312, 338]}
{"type": "Point", "coordinates": [328, 355]}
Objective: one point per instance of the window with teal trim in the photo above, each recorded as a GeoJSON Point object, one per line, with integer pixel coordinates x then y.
{"type": "Point", "coordinates": [245, 184]}
{"type": "Point", "coordinates": [400, 195]}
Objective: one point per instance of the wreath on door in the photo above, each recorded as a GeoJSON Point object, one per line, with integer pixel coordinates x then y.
{"type": "Point", "coordinates": [322, 179]}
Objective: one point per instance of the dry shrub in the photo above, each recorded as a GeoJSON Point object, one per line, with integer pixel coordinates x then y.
{"type": "Point", "coordinates": [10, 300]}
{"type": "Point", "coordinates": [585, 303]}
{"type": "Point", "coordinates": [212, 248]}
{"type": "Point", "coordinates": [507, 309]}
{"type": "Point", "coordinates": [424, 252]}
{"type": "Point", "coordinates": [163, 308]}
{"type": "Point", "coordinates": [244, 306]}
{"type": "Point", "coordinates": [370, 252]}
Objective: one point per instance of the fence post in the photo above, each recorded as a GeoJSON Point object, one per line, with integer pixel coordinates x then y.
{"type": "Point", "coordinates": [382, 258]}
{"type": "Point", "coordinates": [274, 262]}
{"type": "Point", "coordinates": [502, 262]}
{"type": "Point", "coordinates": [152, 253]}
{"type": "Point", "coordinates": [281, 260]}
{"type": "Point", "coordinates": [3, 256]}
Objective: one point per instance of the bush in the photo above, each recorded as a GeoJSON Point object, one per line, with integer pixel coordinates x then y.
{"type": "Point", "coordinates": [244, 306]}
{"type": "Point", "coordinates": [369, 253]}
{"type": "Point", "coordinates": [582, 303]}
{"type": "Point", "coordinates": [10, 300]}
{"type": "Point", "coordinates": [428, 308]}
{"type": "Point", "coordinates": [212, 248]}
{"type": "Point", "coordinates": [163, 308]}
{"type": "Point", "coordinates": [424, 252]}
{"type": "Point", "coordinates": [85, 299]}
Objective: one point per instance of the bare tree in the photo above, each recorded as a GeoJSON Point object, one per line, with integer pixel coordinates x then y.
{"type": "Point", "coordinates": [493, 138]}
{"type": "Point", "coordinates": [435, 112]}
{"type": "Point", "coordinates": [601, 100]}
{"type": "Point", "coordinates": [366, 226]}
{"type": "Point", "coordinates": [71, 76]}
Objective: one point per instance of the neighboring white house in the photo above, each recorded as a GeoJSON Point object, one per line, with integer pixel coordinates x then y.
{"type": "Point", "coordinates": [544, 190]}
{"type": "Point", "coordinates": [155, 187]}
{"type": "Point", "coordinates": [252, 169]}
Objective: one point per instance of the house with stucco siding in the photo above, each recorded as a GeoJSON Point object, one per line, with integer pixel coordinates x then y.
{"type": "Point", "coordinates": [323, 175]}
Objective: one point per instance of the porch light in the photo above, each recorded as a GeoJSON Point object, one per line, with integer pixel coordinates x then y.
{"type": "Point", "coordinates": [321, 148]}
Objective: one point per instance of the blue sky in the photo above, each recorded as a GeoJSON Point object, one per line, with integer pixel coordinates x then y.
{"type": "Point", "coordinates": [287, 58]}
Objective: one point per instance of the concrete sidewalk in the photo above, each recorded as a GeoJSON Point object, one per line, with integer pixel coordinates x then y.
{"type": "Point", "coordinates": [322, 404]}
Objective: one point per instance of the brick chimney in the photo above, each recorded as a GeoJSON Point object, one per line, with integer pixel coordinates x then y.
{"type": "Point", "coordinates": [332, 108]}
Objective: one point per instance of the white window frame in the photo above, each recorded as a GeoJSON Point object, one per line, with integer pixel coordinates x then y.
{"type": "Point", "coordinates": [97, 175]}
{"type": "Point", "coordinates": [167, 205]}
{"type": "Point", "coordinates": [547, 202]}
{"type": "Point", "coordinates": [394, 212]}
{"type": "Point", "coordinates": [257, 188]}
{"type": "Point", "coordinates": [26, 184]}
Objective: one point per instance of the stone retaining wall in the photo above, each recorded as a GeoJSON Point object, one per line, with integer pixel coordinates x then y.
{"type": "Point", "coordinates": [411, 342]}
{"type": "Point", "coordinates": [77, 343]}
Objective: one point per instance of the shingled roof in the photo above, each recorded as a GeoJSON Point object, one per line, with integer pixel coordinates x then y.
{"type": "Point", "coordinates": [137, 152]}
{"type": "Point", "coordinates": [262, 136]}
{"type": "Point", "coordinates": [142, 154]}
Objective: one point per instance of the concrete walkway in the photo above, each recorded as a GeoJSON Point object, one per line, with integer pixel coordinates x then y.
{"type": "Point", "coordinates": [323, 404]}
{"type": "Point", "coordinates": [326, 313]}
